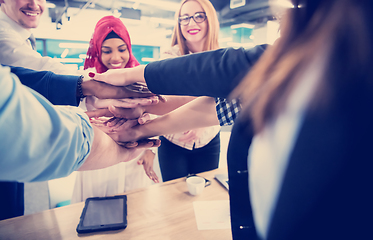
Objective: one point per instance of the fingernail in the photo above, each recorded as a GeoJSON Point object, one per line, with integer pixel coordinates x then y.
{"type": "Point", "coordinates": [91, 74]}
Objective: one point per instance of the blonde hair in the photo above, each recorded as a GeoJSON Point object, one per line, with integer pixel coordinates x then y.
{"type": "Point", "coordinates": [212, 35]}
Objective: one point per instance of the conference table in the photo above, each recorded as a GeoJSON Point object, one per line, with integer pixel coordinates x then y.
{"type": "Point", "coordinates": [161, 211]}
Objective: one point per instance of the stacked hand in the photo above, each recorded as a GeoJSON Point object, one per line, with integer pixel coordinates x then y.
{"type": "Point", "coordinates": [116, 110]}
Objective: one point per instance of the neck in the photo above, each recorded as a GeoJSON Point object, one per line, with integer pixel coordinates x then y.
{"type": "Point", "coordinates": [195, 46]}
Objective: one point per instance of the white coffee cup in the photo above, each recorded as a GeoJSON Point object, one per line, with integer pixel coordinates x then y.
{"type": "Point", "coordinates": [196, 184]}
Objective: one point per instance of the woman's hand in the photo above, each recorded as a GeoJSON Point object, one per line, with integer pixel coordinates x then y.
{"type": "Point", "coordinates": [147, 159]}
{"type": "Point", "coordinates": [121, 108]}
{"type": "Point", "coordinates": [111, 125]}
{"type": "Point", "coordinates": [121, 77]}
{"type": "Point", "coordinates": [129, 108]}
{"type": "Point", "coordinates": [191, 135]}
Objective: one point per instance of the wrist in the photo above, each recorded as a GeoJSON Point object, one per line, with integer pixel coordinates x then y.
{"type": "Point", "coordinates": [136, 74]}
{"type": "Point", "coordinates": [145, 131]}
{"type": "Point", "coordinates": [87, 88]}
{"type": "Point", "coordinates": [79, 88]}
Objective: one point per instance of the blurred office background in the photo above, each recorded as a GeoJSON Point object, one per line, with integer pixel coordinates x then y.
{"type": "Point", "coordinates": [66, 28]}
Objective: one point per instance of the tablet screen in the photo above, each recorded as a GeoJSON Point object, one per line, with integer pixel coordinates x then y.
{"type": "Point", "coordinates": [106, 213]}
{"type": "Point", "coordinates": [109, 211]}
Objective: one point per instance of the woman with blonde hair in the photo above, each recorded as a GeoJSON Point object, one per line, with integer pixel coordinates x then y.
{"type": "Point", "coordinates": [212, 36]}
{"type": "Point", "coordinates": [196, 150]}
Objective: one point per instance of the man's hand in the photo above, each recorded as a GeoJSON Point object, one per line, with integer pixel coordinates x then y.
{"type": "Point", "coordinates": [120, 108]}
{"type": "Point", "coordinates": [143, 143]}
{"type": "Point", "coordinates": [108, 126]}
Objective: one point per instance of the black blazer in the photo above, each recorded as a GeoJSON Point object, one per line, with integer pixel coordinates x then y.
{"type": "Point", "coordinates": [215, 74]}
{"type": "Point", "coordinates": [326, 188]}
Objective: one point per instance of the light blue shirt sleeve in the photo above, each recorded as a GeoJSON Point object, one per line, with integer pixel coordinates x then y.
{"type": "Point", "coordinates": [39, 141]}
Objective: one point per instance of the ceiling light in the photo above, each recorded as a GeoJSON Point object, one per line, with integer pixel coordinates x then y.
{"type": "Point", "coordinates": [165, 5]}
{"type": "Point", "coordinates": [227, 39]}
{"type": "Point", "coordinates": [69, 60]}
{"type": "Point", "coordinates": [50, 5]}
{"type": "Point", "coordinates": [283, 3]}
{"type": "Point", "coordinates": [74, 45]}
{"type": "Point", "coordinates": [160, 20]}
{"type": "Point", "coordinates": [64, 53]}
{"type": "Point", "coordinates": [242, 25]}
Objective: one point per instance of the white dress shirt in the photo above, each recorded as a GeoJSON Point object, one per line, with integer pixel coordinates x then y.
{"type": "Point", "coordinates": [16, 50]}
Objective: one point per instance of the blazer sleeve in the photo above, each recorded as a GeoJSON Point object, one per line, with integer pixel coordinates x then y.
{"type": "Point", "coordinates": [58, 89]}
{"type": "Point", "coordinates": [211, 73]}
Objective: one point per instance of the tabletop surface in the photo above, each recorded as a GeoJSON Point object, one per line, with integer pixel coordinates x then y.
{"type": "Point", "coordinates": [161, 211]}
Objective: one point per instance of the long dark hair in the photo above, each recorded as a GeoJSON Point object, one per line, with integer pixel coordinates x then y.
{"type": "Point", "coordinates": [344, 27]}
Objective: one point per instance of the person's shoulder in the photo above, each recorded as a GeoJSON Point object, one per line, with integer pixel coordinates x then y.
{"type": "Point", "coordinates": [7, 31]}
{"type": "Point", "coordinates": [255, 51]}
{"type": "Point", "coordinates": [173, 51]}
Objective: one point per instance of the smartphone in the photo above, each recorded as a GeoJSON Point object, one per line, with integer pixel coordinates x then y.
{"type": "Point", "coordinates": [103, 214]}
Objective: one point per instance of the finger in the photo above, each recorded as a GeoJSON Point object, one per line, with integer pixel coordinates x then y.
{"type": "Point", "coordinates": [153, 176]}
{"type": "Point", "coordinates": [110, 120]}
{"type": "Point", "coordinates": [127, 124]}
{"type": "Point", "coordinates": [106, 91]}
{"type": "Point", "coordinates": [140, 161]}
{"type": "Point", "coordinates": [90, 101]}
{"type": "Point", "coordinates": [162, 98]}
{"type": "Point", "coordinates": [145, 144]}
{"type": "Point", "coordinates": [103, 103]}
{"type": "Point", "coordinates": [129, 145]}
{"type": "Point", "coordinates": [144, 118]}
{"type": "Point", "coordinates": [125, 103]}
{"type": "Point", "coordinates": [98, 121]}
{"type": "Point", "coordinates": [128, 113]}
{"type": "Point", "coordinates": [105, 112]}
{"type": "Point", "coordinates": [109, 77]}
{"type": "Point", "coordinates": [156, 142]}
{"type": "Point", "coordinates": [120, 122]}
{"type": "Point", "coordinates": [115, 122]}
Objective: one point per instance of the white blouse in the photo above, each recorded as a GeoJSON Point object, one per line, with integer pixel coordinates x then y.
{"type": "Point", "coordinates": [205, 135]}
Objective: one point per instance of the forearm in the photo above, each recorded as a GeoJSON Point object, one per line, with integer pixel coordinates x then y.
{"type": "Point", "coordinates": [104, 152]}
{"type": "Point", "coordinates": [172, 103]}
{"type": "Point", "coordinates": [212, 73]}
{"type": "Point", "coordinates": [51, 141]}
{"type": "Point", "coordinates": [136, 74]}
{"type": "Point", "coordinates": [195, 114]}
{"type": "Point", "coordinates": [58, 89]}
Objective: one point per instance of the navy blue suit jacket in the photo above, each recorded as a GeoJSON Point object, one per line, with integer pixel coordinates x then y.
{"type": "Point", "coordinates": [58, 89]}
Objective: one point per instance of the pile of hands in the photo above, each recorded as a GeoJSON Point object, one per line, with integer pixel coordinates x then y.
{"type": "Point", "coordinates": [118, 110]}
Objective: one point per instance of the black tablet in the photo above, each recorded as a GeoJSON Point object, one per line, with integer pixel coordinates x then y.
{"type": "Point", "coordinates": [103, 214]}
